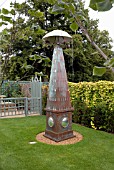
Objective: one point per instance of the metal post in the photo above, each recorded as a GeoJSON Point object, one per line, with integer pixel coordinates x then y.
{"type": "Point", "coordinates": [26, 106]}
{"type": "Point", "coordinates": [40, 98]}
{"type": "Point", "coordinates": [0, 75]}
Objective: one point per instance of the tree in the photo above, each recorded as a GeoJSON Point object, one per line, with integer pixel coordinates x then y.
{"type": "Point", "coordinates": [69, 8]}
{"type": "Point", "coordinates": [25, 40]}
{"type": "Point", "coordinates": [23, 48]}
{"type": "Point", "coordinates": [103, 5]}
{"type": "Point", "coordinates": [86, 57]}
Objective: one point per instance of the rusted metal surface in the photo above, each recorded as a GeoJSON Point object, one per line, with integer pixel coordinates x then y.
{"type": "Point", "coordinates": [58, 132]}
{"type": "Point", "coordinates": [58, 106]}
{"type": "Point", "coordinates": [59, 97]}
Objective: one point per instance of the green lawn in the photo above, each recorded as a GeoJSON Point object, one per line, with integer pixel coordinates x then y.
{"type": "Point", "coordinates": [94, 152]}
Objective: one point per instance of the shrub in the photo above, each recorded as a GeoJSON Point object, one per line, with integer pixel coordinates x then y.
{"type": "Point", "coordinates": [12, 90]}
{"type": "Point", "coordinates": [96, 101]}
{"type": "Point", "coordinates": [44, 98]}
{"type": "Point", "coordinates": [81, 113]}
{"type": "Point", "coordinates": [100, 115]}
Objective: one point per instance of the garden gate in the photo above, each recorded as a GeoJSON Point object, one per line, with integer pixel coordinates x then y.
{"type": "Point", "coordinates": [23, 106]}
{"type": "Point", "coordinates": [36, 92]}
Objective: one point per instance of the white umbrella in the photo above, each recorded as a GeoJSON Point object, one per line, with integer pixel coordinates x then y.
{"type": "Point", "coordinates": [57, 36]}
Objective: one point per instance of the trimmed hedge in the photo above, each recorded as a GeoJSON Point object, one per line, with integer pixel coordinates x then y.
{"type": "Point", "coordinates": [93, 104]}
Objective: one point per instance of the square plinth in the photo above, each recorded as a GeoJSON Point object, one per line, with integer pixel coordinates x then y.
{"type": "Point", "coordinates": [59, 125]}
{"type": "Point", "coordinates": [57, 137]}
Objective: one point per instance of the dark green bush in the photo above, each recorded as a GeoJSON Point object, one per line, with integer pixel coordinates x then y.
{"type": "Point", "coordinates": [44, 98]}
{"type": "Point", "coordinates": [94, 104]}
{"type": "Point", "coordinates": [104, 116]}
{"type": "Point", "coordinates": [100, 115]}
{"type": "Point", "coordinates": [110, 116]}
{"type": "Point", "coordinates": [81, 113]}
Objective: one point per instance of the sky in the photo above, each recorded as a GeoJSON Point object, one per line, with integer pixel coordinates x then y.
{"type": "Point", "coordinates": [106, 20]}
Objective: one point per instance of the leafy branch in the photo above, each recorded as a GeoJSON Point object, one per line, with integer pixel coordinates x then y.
{"type": "Point", "coordinates": [101, 5]}
{"type": "Point", "coordinates": [69, 8]}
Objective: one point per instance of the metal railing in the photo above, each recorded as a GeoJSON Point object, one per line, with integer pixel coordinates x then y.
{"type": "Point", "coordinates": [20, 106]}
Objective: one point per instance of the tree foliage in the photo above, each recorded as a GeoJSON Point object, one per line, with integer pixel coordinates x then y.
{"type": "Point", "coordinates": [101, 5]}
{"type": "Point", "coordinates": [24, 53]}
{"type": "Point", "coordinates": [69, 8]}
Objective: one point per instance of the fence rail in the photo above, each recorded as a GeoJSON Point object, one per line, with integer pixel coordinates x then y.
{"type": "Point", "coordinates": [20, 106]}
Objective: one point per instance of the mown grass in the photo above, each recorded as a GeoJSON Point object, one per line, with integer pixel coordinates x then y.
{"type": "Point", "coordinates": [94, 152]}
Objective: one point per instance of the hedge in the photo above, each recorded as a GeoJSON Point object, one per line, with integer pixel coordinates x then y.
{"type": "Point", "coordinates": [93, 104]}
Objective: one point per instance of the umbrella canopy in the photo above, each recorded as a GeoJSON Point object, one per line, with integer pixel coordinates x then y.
{"type": "Point", "coordinates": [57, 36]}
